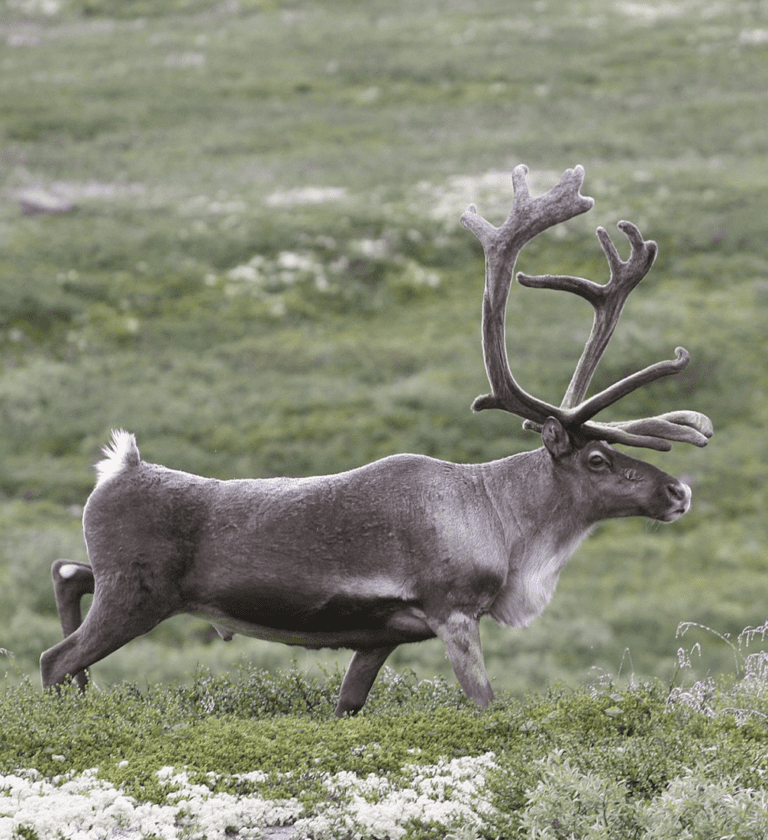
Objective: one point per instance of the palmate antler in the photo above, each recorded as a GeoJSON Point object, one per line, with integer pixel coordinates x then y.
{"type": "Point", "coordinates": [529, 217]}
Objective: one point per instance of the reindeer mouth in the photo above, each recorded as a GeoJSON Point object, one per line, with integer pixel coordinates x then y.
{"type": "Point", "coordinates": [674, 514]}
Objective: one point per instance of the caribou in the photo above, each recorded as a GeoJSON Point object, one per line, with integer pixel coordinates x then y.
{"type": "Point", "coordinates": [401, 550]}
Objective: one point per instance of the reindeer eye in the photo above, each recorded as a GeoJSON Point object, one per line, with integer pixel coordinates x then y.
{"type": "Point", "coordinates": [597, 461]}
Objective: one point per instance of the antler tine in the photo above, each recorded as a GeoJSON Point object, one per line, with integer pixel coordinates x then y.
{"type": "Point", "coordinates": [528, 217]}
{"type": "Point", "coordinates": [656, 432]}
{"type": "Point", "coordinates": [607, 300]}
{"type": "Point", "coordinates": [589, 408]}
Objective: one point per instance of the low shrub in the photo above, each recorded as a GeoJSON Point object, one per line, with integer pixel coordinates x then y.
{"type": "Point", "coordinates": [419, 760]}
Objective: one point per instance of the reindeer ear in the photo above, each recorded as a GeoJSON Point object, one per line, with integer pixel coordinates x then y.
{"type": "Point", "coordinates": [555, 438]}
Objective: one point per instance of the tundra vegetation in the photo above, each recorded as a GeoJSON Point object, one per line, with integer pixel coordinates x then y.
{"type": "Point", "coordinates": [265, 274]}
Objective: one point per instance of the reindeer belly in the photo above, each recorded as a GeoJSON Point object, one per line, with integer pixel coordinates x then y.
{"type": "Point", "coordinates": [367, 613]}
{"type": "Point", "coordinates": [337, 625]}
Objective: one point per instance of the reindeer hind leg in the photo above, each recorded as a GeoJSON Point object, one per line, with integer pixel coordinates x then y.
{"type": "Point", "coordinates": [70, 582]}
{"type": "Point", "coordinates": [359, 679]}
{"type": "Point", "coordinates": [115, 618]}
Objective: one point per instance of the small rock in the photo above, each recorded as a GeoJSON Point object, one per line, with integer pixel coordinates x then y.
{"type": "Point", "coordinates": [279, 832]}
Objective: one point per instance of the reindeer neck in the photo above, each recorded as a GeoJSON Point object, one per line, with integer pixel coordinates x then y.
{"type": "Point", "coordinates": [534, 502]}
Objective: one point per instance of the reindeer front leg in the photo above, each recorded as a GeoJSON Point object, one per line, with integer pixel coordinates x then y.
{"type": "Point", "coordinates": [460, 634]}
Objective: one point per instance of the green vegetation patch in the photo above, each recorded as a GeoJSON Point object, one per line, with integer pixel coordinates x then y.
{"type": "Point", "coordinates": [623, 760]}
{"type": "Point", "coordinates": [264, 273]}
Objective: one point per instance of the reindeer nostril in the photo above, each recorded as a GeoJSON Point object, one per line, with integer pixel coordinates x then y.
{"type": "Point", "coordinates": [678, 491]}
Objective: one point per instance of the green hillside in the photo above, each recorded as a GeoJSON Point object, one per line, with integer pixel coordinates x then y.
{"type": "Point", "coordinates": [262, 273]}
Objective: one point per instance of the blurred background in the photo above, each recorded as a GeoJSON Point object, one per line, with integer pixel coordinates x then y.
{"type": "Point", "coordinates": [233, 229]}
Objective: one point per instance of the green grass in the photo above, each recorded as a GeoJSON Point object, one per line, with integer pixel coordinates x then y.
{"type": "Point", "coordinates": [183, 130]}
{"type": "Point", "coordinates": [596, 763]}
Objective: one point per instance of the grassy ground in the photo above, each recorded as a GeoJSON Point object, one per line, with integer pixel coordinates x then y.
{"type": "Point", "coordinates": [239, 754]}
{"type": "Point", "coordinates": [265, 275]}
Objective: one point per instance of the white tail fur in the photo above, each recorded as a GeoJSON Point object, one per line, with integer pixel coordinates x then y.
{"type": "Point", "coordinates": [68, 570]}
{"type": "Point", "coordinates": [121, 452]}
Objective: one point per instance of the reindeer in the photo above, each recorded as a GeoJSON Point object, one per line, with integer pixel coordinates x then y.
{"type": "Point", "coordinates": [404, 549]}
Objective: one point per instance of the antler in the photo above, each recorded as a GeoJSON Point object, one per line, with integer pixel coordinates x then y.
{"type": "Point", "coordinates": [529, 217]}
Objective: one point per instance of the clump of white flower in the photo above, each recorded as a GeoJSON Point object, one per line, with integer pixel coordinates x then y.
{"type": "Point", "coordinates": [650, 13]}
{"type": "Point", "coordinates": [267, 279]}
{"type": "Point", "coordinates": [221, 204]}
{"type": "Point", "coordinates": [448, 794]}
{"type": "Point", "coordinates": [34, 7]}
{"type": "Point", "coordinates": [753, 37]}
{"type": "Point", "coordinates": [305, 195]}
{"type": "Point", "coordinates": [418, 276]}
{"type": "Point", "coordinates": [372, 249]}
{"type": "Point", "coordinates": [491, 191]}
{"type": "Point", "coordinates": [84, 807]}
{"type": "Point", "coordinates": [280, 282]}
